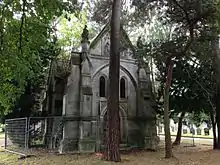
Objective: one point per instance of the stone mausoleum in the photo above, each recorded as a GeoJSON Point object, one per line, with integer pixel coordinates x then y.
{"type": "Point", "coordinates": [81, 99]}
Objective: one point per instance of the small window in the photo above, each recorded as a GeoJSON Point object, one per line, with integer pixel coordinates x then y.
{"type": "Point", "coordinates": [122, 88]}
{"type": "Point", "coordinates": [102, 85]}
{"type": "Point", "coordinates": [58, 107]}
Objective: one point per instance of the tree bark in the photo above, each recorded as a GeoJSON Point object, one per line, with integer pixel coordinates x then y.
{"type": "Point", "coordinates": [179, 132]}
{"type": "Point", "coordinates": [215, 143]}
{"type": "Point", "coordinates": [218, 116]}
{"type": "Point", "coordinates": [218, 123]}
{"type": "Point", "coordinates": [168, 143]}
{"type": "Point", "coordinates": [112, 151]}
{"type": "Point", "coordinates": [152, 75]}
{"type": "Point", "coordinates": [217, 69]}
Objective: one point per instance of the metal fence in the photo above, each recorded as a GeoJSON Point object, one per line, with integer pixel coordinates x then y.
{"type": "Point", "coordinates": [24, 135]}
{"type": "Point", "coordinates": [16, 135]}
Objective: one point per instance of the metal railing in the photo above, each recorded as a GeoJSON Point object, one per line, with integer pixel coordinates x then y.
{"type": "Point", "coordinates": [22, 135]}
{"type": "Point", "coordinates": [16, 135]}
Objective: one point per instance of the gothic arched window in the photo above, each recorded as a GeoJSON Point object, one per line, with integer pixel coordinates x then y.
{"type": "Point", "coordinates": [102, 84]}
{"type": "Point", "coordinates": [122, 88]}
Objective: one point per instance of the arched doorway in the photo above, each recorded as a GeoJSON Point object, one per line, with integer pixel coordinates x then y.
{"type": "Point", "coordinates": [123, 127]}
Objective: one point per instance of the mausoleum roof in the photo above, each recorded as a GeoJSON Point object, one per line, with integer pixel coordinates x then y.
{"type": "Point", "coordinates": [106, 29]}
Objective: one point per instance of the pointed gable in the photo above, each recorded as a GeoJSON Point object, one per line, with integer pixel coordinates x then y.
{"type": "Point", "coordinates": [101, 44]}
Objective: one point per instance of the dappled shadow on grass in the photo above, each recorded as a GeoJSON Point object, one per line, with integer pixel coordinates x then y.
{"type": "Point", "coordinates": [7, 158]}
{"type": "Point", "coordinates": [198, 155]}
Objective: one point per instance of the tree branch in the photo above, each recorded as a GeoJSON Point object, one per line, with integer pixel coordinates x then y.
{"type": "Point", "coordinates": [190, 28]}
{"type": "Point", "coordinates": [206, 91]}
{"type": "Point", "coordinates": [181, 8]}
{"type": "Point", "coordinates": [194, 61]}
{"type": "Point", "coordinates": [1, 22]}
{"type": "Point", "coordinates": [189, 22]}
{"type": "Point", "coordinates": [22, 23]}
{"type": "Point", "coordinates": [2, 28]}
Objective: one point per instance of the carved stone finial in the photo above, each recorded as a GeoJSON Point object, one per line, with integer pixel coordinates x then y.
{"type": "Point", "coordinates": [85, 34]}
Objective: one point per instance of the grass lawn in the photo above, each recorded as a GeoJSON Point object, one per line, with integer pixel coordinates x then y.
{"type": "Point", "coordinates": [2, 135]}
{"type": "Point", "coordinates": [200, 155]}
{"type": "Point", "coordinates": [190, 135]}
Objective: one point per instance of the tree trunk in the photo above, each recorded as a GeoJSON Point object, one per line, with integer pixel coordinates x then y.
{"type": "Point", "coordinates": [179, 132]}
{"type": "Point", "coordinates": [218, 121]}
{"type": "Point", "coordinates": [218, 117]}
{"type": "Point", "coordinates": [112, 151]}
{"type": "Point", "coordinates": [168, 143]}
{"type": "Point", "coordinates": [217, 69]}
{"type": "Point", "coordinates": [152, 75]}
{"type": "Point", "coordinates": [215, 143]}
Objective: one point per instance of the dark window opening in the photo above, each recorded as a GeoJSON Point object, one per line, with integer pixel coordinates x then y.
{"type": "Point", "coordinates": [58, 107]}
{"type": "Point", "coordinates": [122, 88]}
{"type": "Point", "coordinates": [102, 92]}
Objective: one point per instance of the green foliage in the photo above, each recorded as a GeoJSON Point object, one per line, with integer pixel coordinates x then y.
{"type": "Point", "coordinates": [70, 30]}
{"type": "Point", "coordinates": [193, 83]}
{"type": "Point", "coordinates": [197, 119]}
{"type": "Point", "coordinates": [26, 36]}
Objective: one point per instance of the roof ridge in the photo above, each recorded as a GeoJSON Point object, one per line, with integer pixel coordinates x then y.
{"type": "Point", "coordinates": [105, 29]}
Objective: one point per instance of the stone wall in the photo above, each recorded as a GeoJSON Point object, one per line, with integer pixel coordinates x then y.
{"type": "Point", "coordinates": [83, 101]}
{"type": "Point", "coordinates": [71, 126]}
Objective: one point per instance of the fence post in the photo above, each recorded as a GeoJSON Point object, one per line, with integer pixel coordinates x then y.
{"type": "Point", "coordinates": [27, 134]}
{"type": "Point", "coordinates": [6, 134]}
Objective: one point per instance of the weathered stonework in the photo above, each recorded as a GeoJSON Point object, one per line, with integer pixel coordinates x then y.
{"type": "Point", "coordinates": [85, 102]}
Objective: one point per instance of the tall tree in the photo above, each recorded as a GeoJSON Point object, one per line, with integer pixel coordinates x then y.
{"type": "Point", "coordinates": [192, 87]}
{"type": "Point", "coordinates": [217, 70]}
{"type": "Point", "coordinates": [25, 30]}
{"type": "Point", "coordinates": [190, 17]}
{"type": "Point", "coordinates": [112, 151]}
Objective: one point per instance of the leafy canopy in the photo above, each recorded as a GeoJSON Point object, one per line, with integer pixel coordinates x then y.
{"type": "Point", "coordinates": [25, 36]}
